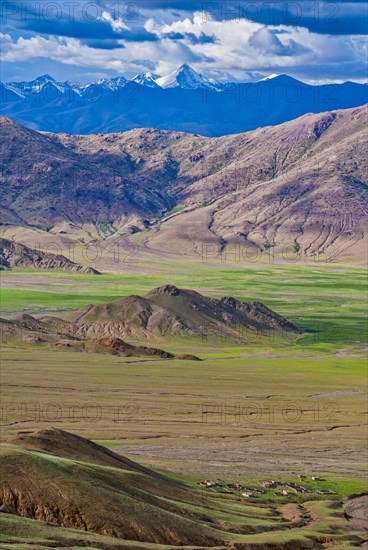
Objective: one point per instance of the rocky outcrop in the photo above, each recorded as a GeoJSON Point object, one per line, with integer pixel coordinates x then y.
{"type": "Point", "coordinates": [13, 254]}
{"type": "Point", "coordinates": [356, 510]}
{"type": "Point", "coordinates": [27, 329]}
{"type": "Point", "coordinates": [115, 346]}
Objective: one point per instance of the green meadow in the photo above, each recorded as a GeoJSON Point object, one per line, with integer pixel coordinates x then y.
{"type": "Point", "coordinates": [328, 302]}
{"type": "Point", "coordinates": [274, 408]}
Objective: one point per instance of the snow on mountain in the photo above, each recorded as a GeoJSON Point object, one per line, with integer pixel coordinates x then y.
{"type": "Point", "coordinates": [15, 88]}
{"type": "Point", "coordinates": [45, 82]}
{"type": "Point", "coordinates": [119, 81]}
{"type": "Point", "coordinates": [269, 77]}
{"type": "Point", "coordinates": [104, 83]}
{"type": "Point", "coordinates": [108, 84]}
{"type": "Point", "coordinates": [34, 85]}
{"type": "Point", "coordinates": [43, 79]}
{"type": "Point", "coordinates": [168, 103]}
{"type": "Point", "coordinates": [41, 82]}
{"type": "Point", "coordinates": [184, 77]}
{"type": "Point", "coordinates": [146, 79]}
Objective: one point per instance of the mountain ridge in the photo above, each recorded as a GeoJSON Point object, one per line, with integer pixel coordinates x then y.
{"type": "Point", "coordinates": [302, 184]}
{"type": "Point", "coordinates": [184, 100]}
{"type": "Point", "coordinates": [14, 254]}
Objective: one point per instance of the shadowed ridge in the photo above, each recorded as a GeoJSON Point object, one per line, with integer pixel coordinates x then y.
{"type": "Point", "coordinates": [65, 444]}
{"type": "Point", "coordinates": [119, 347]}
{"type": "Point", "coordinates": [196, 310]}
{"type": "Point", "coordinates": [165, 311]}
{"type": "Point", "coordinates": [172, 290]}
{"type": "Point", "coordinates": [126, 318]}
{"type": "Point", "coordinates": [14, 254]}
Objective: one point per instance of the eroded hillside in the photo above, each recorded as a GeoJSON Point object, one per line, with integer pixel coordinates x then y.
{"type": "Point", "coordinates": [300, 186]}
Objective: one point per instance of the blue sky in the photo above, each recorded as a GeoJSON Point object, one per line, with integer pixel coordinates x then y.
{"type": "Point", "coordinates": [83, 40]}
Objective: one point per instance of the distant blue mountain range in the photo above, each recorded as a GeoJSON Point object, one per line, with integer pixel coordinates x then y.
{"type": "Point", "coordinates": [184, 100]}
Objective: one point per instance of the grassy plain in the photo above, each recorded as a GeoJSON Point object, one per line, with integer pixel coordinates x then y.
{"type": "Point", "coordinates": [328, 301]}
{"type": "Point", "coordinates": [274, 408]}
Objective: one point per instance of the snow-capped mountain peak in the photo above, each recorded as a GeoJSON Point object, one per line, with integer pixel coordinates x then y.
{"type": "Point", "coordinates": [184, 77]}
{"type": "Point", "coordinates": [37, 85]}
{"type": "Point", "coordinates": [147, 79]}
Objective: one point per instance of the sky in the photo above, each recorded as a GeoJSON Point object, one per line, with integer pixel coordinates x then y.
{"type": "Point", "coordinates": [85, 40]}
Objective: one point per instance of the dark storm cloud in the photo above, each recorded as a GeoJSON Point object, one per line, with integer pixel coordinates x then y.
{"type": "Point", "coordinates": [103, 44]}
{"type": "Point", "coordinates": [193, 38]}
{"type": "Point", "coordinates": [74, 19]}
{"type": "Point", "coordinates": [323, 17]}
{"type": "Point", "coordinates": [89, 30]}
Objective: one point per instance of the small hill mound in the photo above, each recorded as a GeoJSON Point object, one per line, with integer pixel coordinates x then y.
{"type": "Point", "coordinates": [119, 347]}
{"type": "Point", "coordinates": [168, 310]}
{"type": "Point", "coordinates": [13, 254]}
{"type": "Point", "coordinates": [66, 480]}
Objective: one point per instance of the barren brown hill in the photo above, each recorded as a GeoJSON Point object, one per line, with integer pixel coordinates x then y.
{"type": "Point", "coordinates": [168, 310]}
{"type": "Point", "coordinates": [300, 186]}
{"type": "Point", "coordinates": [164, 312]}
{"type": "Point", "coordinates": [13, 254]}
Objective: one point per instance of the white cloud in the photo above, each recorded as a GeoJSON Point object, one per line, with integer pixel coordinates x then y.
{"type": "Point", "coordinates": [116, 24]}
{"type": "Point", "coordinates": [240, 47]}
{"type": "Point", "coordinates": [71, 51]}
{"type": "Point", "coordinates": [65, 50]}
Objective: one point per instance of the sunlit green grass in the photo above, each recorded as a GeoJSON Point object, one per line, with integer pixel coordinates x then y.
{"type": "Point", "coordinates": [329, 303]}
